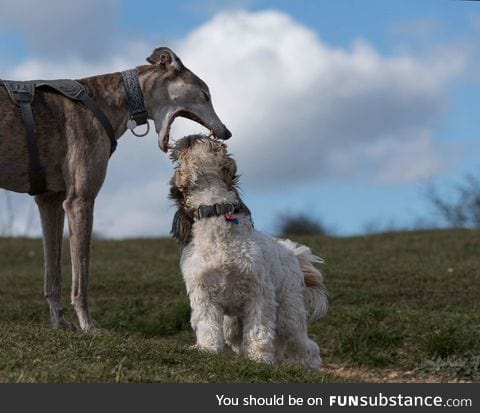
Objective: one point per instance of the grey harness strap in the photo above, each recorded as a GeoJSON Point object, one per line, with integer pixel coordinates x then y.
{"type": "Point", "coordinates": [23, 93]}
{"type": "Point", "coordinates": [102, 118]}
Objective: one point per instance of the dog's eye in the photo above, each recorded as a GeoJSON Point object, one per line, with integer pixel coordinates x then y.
{"type": "Point", "coordinates": [206, 96]}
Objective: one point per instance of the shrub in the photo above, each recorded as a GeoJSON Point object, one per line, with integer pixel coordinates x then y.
{"type": "Point", "coordinates": [464, 210]}
{"type": "Point", "coordinates": [300, 224]}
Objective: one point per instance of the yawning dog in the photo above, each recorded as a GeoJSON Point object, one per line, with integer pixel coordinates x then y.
{"type": "Point", "coordinates": [248, 290]}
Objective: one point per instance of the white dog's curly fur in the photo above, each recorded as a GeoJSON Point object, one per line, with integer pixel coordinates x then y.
{"type": "Point", "coordinates": [248, 290]}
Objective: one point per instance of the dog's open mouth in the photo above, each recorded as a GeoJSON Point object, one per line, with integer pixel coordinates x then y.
{"type": "Point", "coordinates": [164, 134]}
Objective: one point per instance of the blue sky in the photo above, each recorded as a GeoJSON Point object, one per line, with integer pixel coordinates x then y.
{"type": "Point", "coordinates": [370, 102]}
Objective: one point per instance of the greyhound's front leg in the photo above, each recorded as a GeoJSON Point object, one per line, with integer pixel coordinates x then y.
{"type": "Point", "coordinates": [80, 220]}
{"type": "Point", "coordinates": [52, 217]}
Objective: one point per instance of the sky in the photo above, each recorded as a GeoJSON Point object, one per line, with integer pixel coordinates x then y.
{"type": "Point", "coordinates": [343, 110]}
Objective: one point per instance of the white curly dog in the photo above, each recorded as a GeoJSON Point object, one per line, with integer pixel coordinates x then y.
{"type": "Point", "coordinates": [248, 290]}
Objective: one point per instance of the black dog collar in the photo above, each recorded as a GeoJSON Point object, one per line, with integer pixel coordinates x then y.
{"type": "Point", "coordinates": [215, 210]}
{"type": "Point", "coordinates": [137, 112]}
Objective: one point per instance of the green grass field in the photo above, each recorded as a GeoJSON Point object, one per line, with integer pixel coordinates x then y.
{"type": "Point", "coordinates": [405, 307]}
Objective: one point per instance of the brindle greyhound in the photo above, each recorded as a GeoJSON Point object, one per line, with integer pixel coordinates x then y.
{"type": "Point", "coordinates": [74, 149]}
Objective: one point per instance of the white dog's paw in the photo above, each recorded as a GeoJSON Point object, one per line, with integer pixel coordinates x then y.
{"type": "Point", "coordinates": [314, 363]}
{"type": "Point", "coordinates": [206, 348]}
{"type": "Point", "coordinates": [235, 348]}
{"type": "Point", "coordinates": [261, 357]}
{"type": "Point", "coordinates": [193, 347]}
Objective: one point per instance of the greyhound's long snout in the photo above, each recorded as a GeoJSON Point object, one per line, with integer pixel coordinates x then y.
{"type": "Point", "coordinates": [224, 133]}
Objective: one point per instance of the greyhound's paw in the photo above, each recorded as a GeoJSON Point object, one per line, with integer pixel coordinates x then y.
{"type": "Point", "coordinates": [91, 329]}
{"type": "Point", "coordinates": [66, 326]}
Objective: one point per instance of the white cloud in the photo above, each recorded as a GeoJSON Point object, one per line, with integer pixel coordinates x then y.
{"type": "Point", "coordinates": [300, 111]}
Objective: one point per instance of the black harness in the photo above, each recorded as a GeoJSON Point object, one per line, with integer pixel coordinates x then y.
{"type": "Point", "coordinates": [23, 94]}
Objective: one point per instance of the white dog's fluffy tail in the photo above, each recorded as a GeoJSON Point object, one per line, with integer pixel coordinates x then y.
{"type": "Point", "coordinates": [316, 297]}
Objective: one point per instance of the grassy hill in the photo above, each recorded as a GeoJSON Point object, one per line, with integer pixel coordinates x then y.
{"type": "Point", "coordinates": [405, 307]}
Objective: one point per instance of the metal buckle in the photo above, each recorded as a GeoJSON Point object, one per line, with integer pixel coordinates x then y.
{"type": "Point", "coordinates": [132, 124]}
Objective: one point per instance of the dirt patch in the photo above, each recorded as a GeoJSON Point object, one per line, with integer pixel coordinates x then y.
{"type": "Point", "coordinates": [361, 374]}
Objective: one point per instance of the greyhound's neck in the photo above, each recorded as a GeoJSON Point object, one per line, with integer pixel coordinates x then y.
{"type": "Point", "coordinates": [108, 92]}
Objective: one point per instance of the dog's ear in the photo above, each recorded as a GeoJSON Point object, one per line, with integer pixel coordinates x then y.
{"type": "Point", "coordinates": [182, 223]}
{"type": "Point", "coordinates": [229, 169]}
{"type": "Point", "coordinates": [181, 227]}
{"type": "Point", "coordinates": [180, 180]}
{"type": "Point", "coordinates": [175, 192]}
{"type": "Point", "coordinates": [164, 57]}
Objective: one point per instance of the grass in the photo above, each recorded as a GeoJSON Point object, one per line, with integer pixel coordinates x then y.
{"type": "Point", "coordinates": [407, 302]}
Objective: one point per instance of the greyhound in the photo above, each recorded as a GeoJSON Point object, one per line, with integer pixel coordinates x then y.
{"type": "Point", "coordinates": [74, 150]}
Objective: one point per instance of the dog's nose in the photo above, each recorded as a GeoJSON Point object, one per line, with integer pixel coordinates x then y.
{"type": "Point", "coordinates": [226, 133]}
